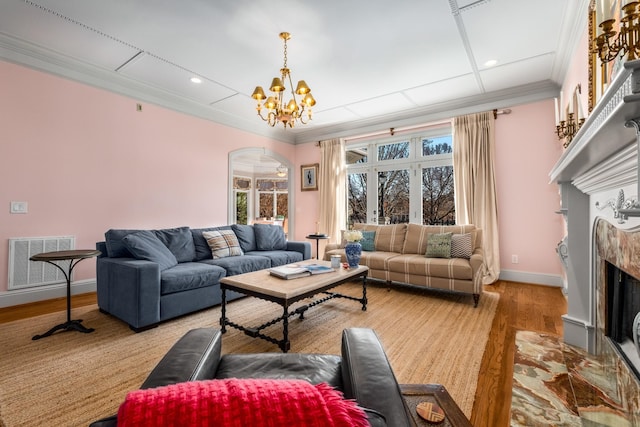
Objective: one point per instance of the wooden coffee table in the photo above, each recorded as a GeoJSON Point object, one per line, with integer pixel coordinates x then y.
{"type": "Point", "coordinates": [261, 284]}
{"type": "Point", "coordinates": [414, 394]}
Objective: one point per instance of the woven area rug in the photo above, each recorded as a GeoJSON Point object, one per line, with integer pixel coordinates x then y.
{"type": "Point", "coordinates": [72, 379]}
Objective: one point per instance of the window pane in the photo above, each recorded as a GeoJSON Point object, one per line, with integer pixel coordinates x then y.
{"type": "Point", "coordinates": [241, 183]}
{"type": "Point", "coordinates": [398, 150]}
{"type": "Point", "coordinates": [393, 197]}
{"type": "Point", "coordinates": [265, 184]}
{"type": "Point", "coordinates": [357, 198]}
{"type": "Point", "coordinates": [356, 155]}
{"type": "Point", "coordinates": [241, 207]}
{"type": "Point", "coordinates": [437, 145]}
{"type": "Point", "coordinates": [283, 205]}
{"type": "Point", "coordinates": [438, 204]}
{"type": "Point", "coordinates": [282, 185]}
{"type": "Point", "coordinates": [266, 205]}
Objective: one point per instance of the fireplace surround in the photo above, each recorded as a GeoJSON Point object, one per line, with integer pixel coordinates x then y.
{"type": "Point", "coordinates": [617, 266]}
{"type": "Point", "coordinates": [601, 161]}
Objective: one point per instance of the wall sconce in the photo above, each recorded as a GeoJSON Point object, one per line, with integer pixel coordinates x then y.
{"type": "Point", "coordinates": [567, 128]}
{"type": "Point", "coordinates": [611, 43]}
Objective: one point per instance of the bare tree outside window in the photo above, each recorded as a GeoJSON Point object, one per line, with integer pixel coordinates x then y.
{"type": "Point", "coordinates": [357, 198]}
{"type": "Point", "coordinates": [438, 202]}
{"type": "Point", "coordinates": [393, 186]}
{"type": "Point", "coordinates": [411, 175]}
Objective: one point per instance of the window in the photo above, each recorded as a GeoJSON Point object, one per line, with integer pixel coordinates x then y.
{"type": "Point", "coordinates": [241, 191]}
{"type": "Point", "coordinates": [410, 180]}
{"type": "Point", "coordinates": [273, 198]}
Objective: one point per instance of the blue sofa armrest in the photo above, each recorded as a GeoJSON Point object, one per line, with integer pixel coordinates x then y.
{"type": "Point", "coordinates": [129, 289]}
{"type": "Point", "coordinates": [368, 377]}
{"type": "Point", "coordinates": [303, 247]}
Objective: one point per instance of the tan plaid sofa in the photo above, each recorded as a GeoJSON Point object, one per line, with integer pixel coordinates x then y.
{"type": "Point", "coordinates": [399, 258]}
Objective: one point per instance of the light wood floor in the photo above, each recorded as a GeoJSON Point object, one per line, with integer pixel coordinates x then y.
{"type": "Point", "coordinates": [521, 307]}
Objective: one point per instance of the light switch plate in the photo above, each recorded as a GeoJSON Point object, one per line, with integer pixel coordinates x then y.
{"type": "Point", "coordinates": [19, 207]}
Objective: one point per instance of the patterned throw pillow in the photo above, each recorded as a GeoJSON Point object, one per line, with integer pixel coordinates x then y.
{"type": "Point", "coordinates": [368, 241]}
{"type": "Point", "coordinates": [461, 246]}
{"type": "Point", "coordinates": [223, 243]}
{"type": "Point", "coordinates": [438, 245]}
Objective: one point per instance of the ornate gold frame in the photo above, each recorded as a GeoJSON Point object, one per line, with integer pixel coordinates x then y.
{"type": "Point", "coordinates": [309, 177]}
{"type": "Point", "coordinates": [593, 63]}
{"type": "Point", "coordinates": [600, 75]}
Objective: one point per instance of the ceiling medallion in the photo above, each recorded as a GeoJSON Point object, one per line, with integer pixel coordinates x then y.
{"type": "Point", "coordinates": [279, 111]}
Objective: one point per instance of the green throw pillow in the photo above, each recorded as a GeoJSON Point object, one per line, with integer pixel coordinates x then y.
{"type": "Point", "coordinates": [439, 245]}
{"type": "Point", "coordinates": [368, 241]}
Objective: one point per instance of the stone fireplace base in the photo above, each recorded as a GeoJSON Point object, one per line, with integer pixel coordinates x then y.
{"type": "Point", "coordinates": [620, 248]}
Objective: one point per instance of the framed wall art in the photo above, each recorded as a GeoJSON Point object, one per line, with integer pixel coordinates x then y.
{"type": "Point", "coordinates": [309, 176]}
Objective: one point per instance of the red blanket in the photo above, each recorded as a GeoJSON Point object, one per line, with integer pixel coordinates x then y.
{"type": "Point", "coordinates": [241, 402]}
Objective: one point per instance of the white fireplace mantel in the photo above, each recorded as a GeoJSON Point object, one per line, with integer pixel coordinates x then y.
{"type": "Point", "coordinates": [603, 133]}
{"type": "Point", "coordinates": [602, 157]}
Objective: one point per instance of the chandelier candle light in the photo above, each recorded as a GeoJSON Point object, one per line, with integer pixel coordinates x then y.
{"type": "Point", "coordinates": [279, 111]}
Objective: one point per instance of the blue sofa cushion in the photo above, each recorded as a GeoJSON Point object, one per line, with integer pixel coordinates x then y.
{"type": "Point", "coordinates": [278, 258]}
{"type": "Point", "coordinates": [269, 237]}
{"type": "Point", "coordinates": [115, 246]}
{"type": "Point", "coordinates": [202, 248]}
{"type": "Point", "coordinates": [179, 241]}
{"type": "Point", "coordinates": [145, 245]}
{"type": "Point", "coordinates": [246, 237]}
{"type": "Point", "coordinates": [189, 275]}
{"type": "Point", "coordinates": [243, 264]}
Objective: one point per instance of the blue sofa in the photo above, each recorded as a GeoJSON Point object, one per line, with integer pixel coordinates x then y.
{"type": "Point", "coordinates": [145, 277]}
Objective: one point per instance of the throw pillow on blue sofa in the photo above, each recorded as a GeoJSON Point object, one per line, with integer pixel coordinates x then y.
{"type": "Point", "coordinates": [270, 237]}
{"type": "Point", "coordinates": [179, 241]}
{"type": "Point", "coordinates": [145, 245]}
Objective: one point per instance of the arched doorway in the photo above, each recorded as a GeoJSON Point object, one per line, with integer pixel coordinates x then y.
{"type": "Point", "coordinates": [260, 188]}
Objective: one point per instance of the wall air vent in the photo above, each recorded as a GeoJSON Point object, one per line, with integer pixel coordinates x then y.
{"type": "Point", "coordinates": [26, 274]}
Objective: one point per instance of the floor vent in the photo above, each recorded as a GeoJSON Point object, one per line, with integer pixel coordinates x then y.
{"type": "Point", "coordinates": [26, 274]}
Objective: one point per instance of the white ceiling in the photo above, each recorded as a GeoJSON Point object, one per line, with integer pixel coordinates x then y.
{"type": "Point", "coordinates": [370, 63]}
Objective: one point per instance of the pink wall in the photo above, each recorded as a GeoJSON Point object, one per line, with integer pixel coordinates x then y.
{"type": "Point", "coordinates": [85, 161]}
{"type": "Point", "coordinates": [526, 150]}
{"type": "Point", "coordinates": [307, 209]}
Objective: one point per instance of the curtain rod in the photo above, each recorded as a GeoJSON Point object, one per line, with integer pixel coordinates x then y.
{"type": "Point", "coordinates": [393, 131]}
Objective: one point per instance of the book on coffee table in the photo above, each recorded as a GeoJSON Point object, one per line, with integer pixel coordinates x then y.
{"type": "Point", "coordinates": [293, 271]}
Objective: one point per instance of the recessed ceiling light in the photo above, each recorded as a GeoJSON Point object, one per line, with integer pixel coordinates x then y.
{"type": "Point", "coordinates": [195, 80]}
{"type": "Point", "coordinates": [490, 63]}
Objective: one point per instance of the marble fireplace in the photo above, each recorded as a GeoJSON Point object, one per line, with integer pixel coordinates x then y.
{"type": "Point", "coordinates": [617, 269]}
{"type": "Point", "coordinates": [595, 175]}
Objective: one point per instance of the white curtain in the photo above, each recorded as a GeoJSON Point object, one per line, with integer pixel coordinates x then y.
{"type": "Point", "coordinates": [475, 183]}
{"type": "Point", "coordinates": [332, 187]}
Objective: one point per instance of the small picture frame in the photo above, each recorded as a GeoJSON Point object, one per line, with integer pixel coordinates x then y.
{"type": "Point", "coordinates": [309, 176]}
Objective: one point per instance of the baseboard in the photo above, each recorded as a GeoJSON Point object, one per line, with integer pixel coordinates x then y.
{"type": "Point", "coordinates": [578, 333]}
{"type": "Point", "coordinates": [42, 293]}
{"type": "Point", "coordinates": [537, 278]}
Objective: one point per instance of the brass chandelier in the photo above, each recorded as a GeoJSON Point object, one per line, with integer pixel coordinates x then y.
{"type": "Point", "coordinates": [279, 110]}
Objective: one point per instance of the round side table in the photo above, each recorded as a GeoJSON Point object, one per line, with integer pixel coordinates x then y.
{"type": "Point", "coordinates": [74, 257]}
{"type": "Point", "coordinates": [317, 238]}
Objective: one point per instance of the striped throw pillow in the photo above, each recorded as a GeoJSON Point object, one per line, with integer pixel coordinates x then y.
{"type": "Point", "coordinates": [223, 243]}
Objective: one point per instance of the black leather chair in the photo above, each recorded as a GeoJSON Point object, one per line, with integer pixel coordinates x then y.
{"type": "Point", "coordinates": [362, 372]}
